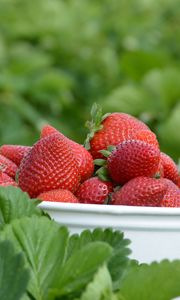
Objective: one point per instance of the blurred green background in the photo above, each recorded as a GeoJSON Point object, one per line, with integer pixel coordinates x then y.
{"type": "Point", "coordinates": [58, 57]}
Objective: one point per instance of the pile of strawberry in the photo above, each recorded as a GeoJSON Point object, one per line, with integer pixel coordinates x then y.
{"type": "Point", "coordinates": [121, 163]}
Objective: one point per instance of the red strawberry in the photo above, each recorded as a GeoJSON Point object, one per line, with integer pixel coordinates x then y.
{"type": "Point", "coordinates": [114, 129]}
{"type": "Point", "coordinates": [58, 196]}
{"type": "Point", "coordinates": [132, 159]}
{"type": "Point", "coordinates": [172, 195]}
{"type": "Point", "coordinates": [48, 130]}
{"type": "Point", "coordinates": [49, 165]}
{"type": "Point", "coordinates": [83, 157]}
{"type": "Point", "coordinates": [8, 166]}
{"type": "Point", "coordinates": [178, 181]}
{"type": "Point", "coordinates": [5, 180]}
{"type": "Point", "coordinates": [14, 152]}
{"type": "Point", "coordinates": [94, 191]}
{"type": "Point", "coordinates": [146, 136]}
{"type": "Point", "coordinates": [169, 167]}
{"type": "Point", "coordinates": [140, 191]}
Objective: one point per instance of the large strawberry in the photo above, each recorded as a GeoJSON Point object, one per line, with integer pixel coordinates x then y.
{"type": "Point", "coordinates": [49, 165]}
{"type": "Point", "coordinates": [14, 152]}
{"type": "Point", "coordinates": [169, 167]}
{"type": "Point", "coordinates": [140, 191]}
{"type": "Point", "coordinates": [94, 191]}
{"type": "Point", "coordinates": [132, 159]}
{"type": "Point", "coordinates": [58, 196]}
{"type": "Point", "coordinates": [5, 180]}
{"type": "Point", "coordinates": [172, 195]}
{"type": "Point", "coordinates": [7, 166]}
{"type": "Point", "coordinates": [83, 157]}
{"type": "Point", "coordinates": [113, 129]}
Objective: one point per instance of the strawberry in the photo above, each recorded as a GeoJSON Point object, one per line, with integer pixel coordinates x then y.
{"type": "Point", "coordinates": [83, 157]}
{"type": "Point", "coordinates": [112, 129]}
{"type": "Point", "coordinates": [169, 167]}
{"type": "Point", "coordinates": [14, 152]}
{"type": "Point", "coordinates": [132, 159]}
{"type": "Point", "coordinates": [58, 196]}
{"type": "Point", "coordinates": [5, 180]}
{"type": "Point", "coordinates": [8, 166]}
{"type": "Point", "coordinates": [140, 191]}
{"type": "Point", "coordinates": [178, 181]}
{"type": "Point", "coordinates": [94, 191]}
{"type": "Point", "coordinates": [172, 195]}
{"type": "Point", "coordinates": [49, 165]}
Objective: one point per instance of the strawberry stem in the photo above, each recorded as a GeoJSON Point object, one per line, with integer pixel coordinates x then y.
{"type": "Point", "coordinates": [94, 124]}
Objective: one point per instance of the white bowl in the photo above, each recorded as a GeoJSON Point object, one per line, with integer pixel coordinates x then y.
{"type": "Point", "coordinates": [154, 232]}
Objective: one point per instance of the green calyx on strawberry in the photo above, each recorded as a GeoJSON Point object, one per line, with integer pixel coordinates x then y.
{"type": "Point", "coordinates": [95, 124]}
{"type": "Point", "coordinates": [114, 128]}
{"type": "Point", "coordinates": [129, 159]}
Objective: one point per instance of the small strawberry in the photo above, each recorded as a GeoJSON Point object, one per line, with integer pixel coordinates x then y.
{"type": "Point", "coordinates": [94, 191]}
{"type": "Point", "coordinates": [49, 165]}
{"type": "Point", "coordinates": [58, 196]}
{"type": "Point", "coordinates": [83, 157]}
{"type": "Point", "coordinates": [5, 180]}
{"type": "Point", "coordinates": [140, 191]}
{"type": "Point", "coordinates": [14, 152]}
{"type": "Point", "coordinates": [132, 159]}
{"type": "Point", "coordinates": [112, 129]}
{"type": "Point", "coordinates": [172, 195]}
{"type": "Point", "coordinates": [8, 167]}
{"type": "Point", "coordinates": [169, 167]}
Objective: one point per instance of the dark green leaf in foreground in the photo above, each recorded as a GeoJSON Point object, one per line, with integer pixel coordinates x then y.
{"type": "Point", "coordinates": [15, 204]}
{"type": "Point", "coordinates": [118, 261]}
{"type": "Point", "coordinates": [13, 275]}
{"type": "Point", "coordinates": [43, 243]}
{"type": "Point", "coordinates": [157, 281]}
{"type": "Point", "coordinates": [79, 270]}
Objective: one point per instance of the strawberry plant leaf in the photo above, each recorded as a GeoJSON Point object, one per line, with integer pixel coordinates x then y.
{"type": "Point", "coordinates": [15, 204]}
{"type": "Point", "coordinates": [13, 274]}
{"type": "Point", "coordinates": [155, 281]}
{"type": "Point", "coordinates": [43, 243]}
{"type": "Point", "coordinates": [100, 288]}
{"type": "Point", "coordinates": [79, 269]}
{"type": "Point", "coordinates": [118, 262]}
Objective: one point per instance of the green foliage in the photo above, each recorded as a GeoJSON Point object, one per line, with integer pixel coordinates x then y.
{"type": "Point", "coordinates": [15, 204]}
{"type": "Point", "coordinates": [13, 275]}
{"type": "Point", "coordinates": [155, 281]}
{"type": "Point", "coordinates": [58, 57]}
{"type": "Point", "coordinates": [40, 260]}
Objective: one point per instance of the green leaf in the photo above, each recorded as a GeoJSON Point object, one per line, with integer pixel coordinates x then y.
{"type": "Point", "coordinates": [119, 260]}
{"type": "Point", "coordinates": [100, 288]}
{"type": "Point", "coordinates": [43, 243]}
{"type": "Point", "coordinates": [155, 281]}
{"type": "Point", "coordinates": [80, 268]}
{"type": "Point", "coordinates": [15, 204]}
{"type": "Point", "coordinates": [13, 274]}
